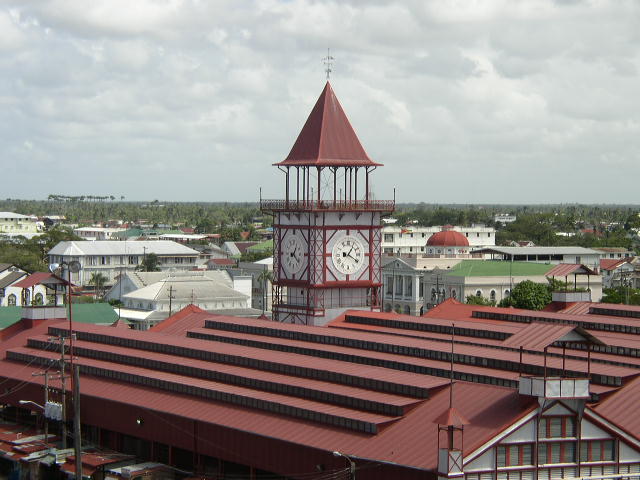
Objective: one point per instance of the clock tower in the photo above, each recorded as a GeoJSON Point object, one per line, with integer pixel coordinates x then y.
{"type": "Point", "coordinates": [327, 229]}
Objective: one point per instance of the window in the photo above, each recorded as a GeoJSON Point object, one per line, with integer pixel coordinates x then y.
{"type": "Point", "coordinates": [39, 299]}
{"type": "Point", "coordinates": [514, 455]}
{"type": "Point", "coordinates": [557, 427]}
{"type": "Point", "coordinates": [11, 300]}
{"type": "Point", "coordinates": [133, 259]}
{"type": "Point", "coordinates": [492, 295]}
{"type": "Point", "coordinates": [478, 293]}
{"type": "Point", "coordinates": [104, 260]}
{"type": "Point", "coordinates": [556, 452]}
{"type": "Point", "coordinates": [597, 451]}
{"type": "Point", "coordinates": [388, 237]}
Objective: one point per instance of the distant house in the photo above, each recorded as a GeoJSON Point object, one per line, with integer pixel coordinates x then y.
{"type": "Point", "coordinates": [617, 272]}
{"type": "Point", "coordinates": [522, 243]}
{"type": "Point", "coordinates": [111, 257]}
{"type": "Point", "coordinates": [14, 224]}
{"type": "Point", "coordinates": [18, 288]}
{"type": "Point", "coordinates": [98, 233]}
{"type": "Point", "coordinates": [614, 252]}
{"type": "Point", "coordinates": [492, 280]}
{"type": "Point", "coordinates": [236, 249]}
{"type": "Point", "coordinates": [551, 255]}
{"type": "Point", "coordinates": [150, 297]}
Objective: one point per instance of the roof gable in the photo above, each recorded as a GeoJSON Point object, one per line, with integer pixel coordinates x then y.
{"type": "Point", "coordinates": [327, 138]}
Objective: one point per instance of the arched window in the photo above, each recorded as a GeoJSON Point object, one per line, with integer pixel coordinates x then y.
{"type": "Point", "coordinates": [492, 296]}
{"type": "Point", "coordinates": [407, 310]}
{"type": "Point", "coordinates": [11, 300]}
{"type": "Point", "coordinates": [39, 299]}
{"type": "Point", "coordinates": [387, 307]}
{"type": "Point", "coordinates": [433, 294]}
{"type": "Point", "coordinates": [398, 308]}
{"type": "Point", "coordinates": [478, 293]}
{"type": "Point", "coordinates": [507, 292]}
{"type": "Point", "coordinates": [454, 294]}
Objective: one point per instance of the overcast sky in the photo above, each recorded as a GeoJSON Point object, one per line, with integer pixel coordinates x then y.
{"type": "Point", "coordinates": [464, 101]}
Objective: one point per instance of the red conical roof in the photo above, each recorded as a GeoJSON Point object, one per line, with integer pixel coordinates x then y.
{"type": "Point", "coordinates": [327, 138]}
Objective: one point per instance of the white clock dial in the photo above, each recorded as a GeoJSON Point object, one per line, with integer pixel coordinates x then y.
{"type": "Point", "coordinates": [292, 253]}
{"type": "Point", "coordinates": [348, 255]}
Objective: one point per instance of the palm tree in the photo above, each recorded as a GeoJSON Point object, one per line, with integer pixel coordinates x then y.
{"type": "Point", "coordinates": [265, 276]}
{"type": "Point", "coordinates": [98, 280]}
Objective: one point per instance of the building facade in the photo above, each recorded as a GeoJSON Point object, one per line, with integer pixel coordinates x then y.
{"type": "Point", "coordinates": [110, 258]}
{"type": "Point", "coordinates": [413, 239]}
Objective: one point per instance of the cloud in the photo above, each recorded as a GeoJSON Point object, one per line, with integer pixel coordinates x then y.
{"type": "Point", "coordinates": [199, 98]}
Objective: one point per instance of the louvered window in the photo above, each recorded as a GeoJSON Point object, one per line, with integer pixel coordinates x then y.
{"type": "Point", "coordinates": [597, 451]}
{"type": "Point", "coordinates": [556, 452]}
{"type": "Point", "coordinates": [514, 455]}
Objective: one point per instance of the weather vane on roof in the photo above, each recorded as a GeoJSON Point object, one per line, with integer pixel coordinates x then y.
{"type": "Point", "coordinates": [328, 63]}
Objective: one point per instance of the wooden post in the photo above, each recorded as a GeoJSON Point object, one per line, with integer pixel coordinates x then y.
{"type": "Point", "coordinates": [76, 421]}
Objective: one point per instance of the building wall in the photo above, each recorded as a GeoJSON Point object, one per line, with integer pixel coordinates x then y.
{"type": "Point", "coordinates": [18, 224]}
{"type": "Point", "coordinates": [413, 240]}
{"type": "Point", "coordinates": [112, 265]}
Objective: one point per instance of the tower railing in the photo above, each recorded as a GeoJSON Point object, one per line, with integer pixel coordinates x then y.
{"type": "Point", "coordinates": [328, 205]}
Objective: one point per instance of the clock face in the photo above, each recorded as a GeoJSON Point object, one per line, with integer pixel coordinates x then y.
{"type": "Point", "coordinates": [293, 253]}
{"type": "Point", "coordinates": [348, 255]}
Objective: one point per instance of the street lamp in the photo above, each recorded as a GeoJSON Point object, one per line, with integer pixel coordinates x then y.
{"type": "Point", "coordinates": [41, 407]}
{"type": "Point", "coordinates": [352, 464]}
{"type": "Point", "coordinates": [29, 402]}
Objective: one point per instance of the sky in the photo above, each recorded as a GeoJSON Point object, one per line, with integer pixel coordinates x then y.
{"type": "Point", "coordinates": [463, 101]}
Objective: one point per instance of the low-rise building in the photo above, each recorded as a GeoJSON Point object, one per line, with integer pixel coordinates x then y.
{"type": "Point", "coordinates": [550, 255]}
{"type": "Point", "coordinates": [493, 280]}
{"type": "Point", "coordinates": [150, 297]}
{"type": "Point", "coordinates": [98, 233]}
{"type": "Point", "coordinates": [614, 252]}
{"type": "Point", "coordinates": [14, 224]}
{"type": "Point", "coordinates": [403, 281]}
{"type": "Point", "coordinates": [112, 257]}
{"type": "Point", "coordinates": [413, 239]}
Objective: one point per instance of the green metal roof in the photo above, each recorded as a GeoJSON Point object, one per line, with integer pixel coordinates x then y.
{"type": "Point", "coordinates": [498, 268]}
{"type": "Point", "coordinates": [260, 247]}
{"type": "Point", "coordinates": [102, 313]}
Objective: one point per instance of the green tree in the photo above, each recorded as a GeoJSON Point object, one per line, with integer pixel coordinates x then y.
{"type": "Point", "coordinates": [476, 300]}
{"type": "Point", "coordinates": [98, 281]}
{"type": "Point", "coordinates": [149, 263]}
{"type": "Point", "coordinates": [529, 295]}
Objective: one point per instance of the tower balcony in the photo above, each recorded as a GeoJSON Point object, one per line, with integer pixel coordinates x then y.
{"type": "Point", "coordinates": [383, 206]}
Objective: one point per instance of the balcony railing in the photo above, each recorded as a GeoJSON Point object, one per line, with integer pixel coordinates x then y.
{"type": "Point", "coordinates": [329, 205]}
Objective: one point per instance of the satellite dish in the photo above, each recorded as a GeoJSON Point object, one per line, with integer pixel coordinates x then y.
{"type": "Point", "coordinates": [74, 266]}
{"type": "Point", "coordinates": [53, 267]}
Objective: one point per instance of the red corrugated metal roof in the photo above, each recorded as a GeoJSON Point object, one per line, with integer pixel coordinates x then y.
{"type": "Point", "coordinates": [538, 336]}
{"type": "Point", "coordinates": [327, 138]}
{"type": "Point", "coordinates": [180, 321]}
{"type": "Point", "coordinates": [612, 263]}
{"type": "Point", "coordinates": [38, 278]}
{"type": "Point", "coordinates": [565, 269]}
{"type": "Point", "coordinates": [408, 441]}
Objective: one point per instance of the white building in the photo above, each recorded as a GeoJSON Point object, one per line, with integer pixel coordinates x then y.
{"type": "Point", "coordinates": [413, 239]}
{"type": "Point", "coordinates": [98, 233]}
{"type": "Point", "coordinates": [14, 224]}
{"type": "Point", "coordinates": [551, 255]}
{"type": "Point", "coordinates": [504, 218]}
{"type": "Point", "coordinates": [150, 297]}
{"type": "Point", "coordinates": [112, 257]}
{"type": "Point", "coordinates": [403, 282]}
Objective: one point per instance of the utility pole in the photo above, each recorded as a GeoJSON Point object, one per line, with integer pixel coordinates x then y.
{"type": "Point", "coordinates": [76, 421]}
{"type": "Point", "coordinates": [63, 393]}
{"type": "Point", "coordinates": [45, 374]}
{"type": "Point", "coordinates": [170, 298]}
